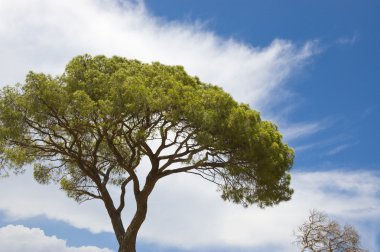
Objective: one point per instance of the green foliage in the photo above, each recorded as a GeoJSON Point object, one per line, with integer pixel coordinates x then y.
{"type": "Point", "coordinates": [92, 125]}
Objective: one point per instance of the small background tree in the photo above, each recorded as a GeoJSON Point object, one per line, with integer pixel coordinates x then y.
{"type": "Point", "coordinates": [89, 129]}
{"type": "Point", "coordinates": [320, 234]}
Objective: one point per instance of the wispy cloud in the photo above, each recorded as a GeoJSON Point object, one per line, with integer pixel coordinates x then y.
{"type": "Point", "coordinates": [339, 149]}
{"type": "Point", "coordinates": [333, 144]}
{"type": "Point", "coordinates": [301, 130]}
{"type": "Point", "coordinates": [304, 147]}
{"type": "Point", "coordinates": [348, 40]}
{"type": "Point", "coordinates": [19, 238]}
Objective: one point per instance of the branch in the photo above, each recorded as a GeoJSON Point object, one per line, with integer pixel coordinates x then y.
{"type": "Point", "coordinates": [122, 195]}
{"type": "Point", "coordinates": [164, 137]}
{"type": "Point", "coordinates": [204, 177]}
{"type": "Point", "coordinates": [203, 166]}
{"type": "Point", "coordinates": [120, 160]}
{"type": "Point", "coordinates": [181, 144]}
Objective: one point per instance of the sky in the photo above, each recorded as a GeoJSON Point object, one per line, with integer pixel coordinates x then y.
{"type": "Point", "coordinates": [312, 67]}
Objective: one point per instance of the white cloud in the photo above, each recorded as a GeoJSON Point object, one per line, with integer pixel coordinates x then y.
{"type": "Point", "coordinates": [44, 35]}
{"type": "Point", "coordinates": [24, 198]}
{"type": "Point", "coordinates": [19, 239]}
{"type": "Point", "coordinates": [349, 196]}
{"type": "Point", "coordinates": [186, 206]}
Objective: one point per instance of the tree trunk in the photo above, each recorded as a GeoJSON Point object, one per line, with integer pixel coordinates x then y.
{"type": "Point", "coordinates": [129, 241]}
{"type": "Point", "coordinates": [114, 215]}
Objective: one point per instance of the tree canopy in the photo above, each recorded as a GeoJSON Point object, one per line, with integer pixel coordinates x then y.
{"type": "Point", "coordinates": [90, 127]}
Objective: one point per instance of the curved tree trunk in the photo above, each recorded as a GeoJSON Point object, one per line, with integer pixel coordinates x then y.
{"type": "Point", "coordinates": [115, 217]}
{"type": "Point", "coordinates": [129, 241]}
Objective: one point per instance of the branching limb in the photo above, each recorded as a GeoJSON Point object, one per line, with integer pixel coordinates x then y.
{"type": "Point", "coordinates": [122, 194]}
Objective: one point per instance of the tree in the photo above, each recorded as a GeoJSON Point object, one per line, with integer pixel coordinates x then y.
{"type": "Point", "coordinates": [89, 128]}
{"type": "Point", "coordinates": [319, 234]}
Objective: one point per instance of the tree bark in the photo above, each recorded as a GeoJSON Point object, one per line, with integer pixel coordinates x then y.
{"type": "Point", "coordinates": [129, 241]}
{"type": "Point", "coordinates": [115, 216]}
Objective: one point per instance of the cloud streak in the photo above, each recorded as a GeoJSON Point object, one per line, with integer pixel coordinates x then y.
{"type": "Point", "coordinates": [348, 40]}
{"type": "Point", "coordinates": [301, 130]}
{"type": "Point", "coordinates": [339, 149]}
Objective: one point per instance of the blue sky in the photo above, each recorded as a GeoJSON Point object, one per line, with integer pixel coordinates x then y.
{"type": "Point", "coordinates": [312, 67]}
{"type": "Point", "coordinates": [341, 84]}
